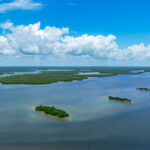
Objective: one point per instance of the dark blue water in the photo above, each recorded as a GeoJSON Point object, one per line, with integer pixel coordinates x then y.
{"type": "Point", "coordinates": [96, 123]}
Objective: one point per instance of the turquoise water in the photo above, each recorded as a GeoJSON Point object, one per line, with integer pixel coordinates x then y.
{"type": "Point", "coordinates": [95, 122]}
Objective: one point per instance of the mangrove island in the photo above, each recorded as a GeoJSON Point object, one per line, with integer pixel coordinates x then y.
{"type": "Point", "coordinates": [143, 89]}
{"type": "Point", "coordinates": [52, 111]}
{"type": "Point", "coordinates": [119, 99]}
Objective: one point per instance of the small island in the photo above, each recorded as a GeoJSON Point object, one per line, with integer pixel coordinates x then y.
{"type": "Point", "coordinates": [119, 99]}
{"type": "Point", "coordinates": [52, 111]}
{"type": "Point", "coordinates": [143, 89]}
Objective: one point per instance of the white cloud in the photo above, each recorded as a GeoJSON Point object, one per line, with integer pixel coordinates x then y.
{"type": "Point", "coordinates": [52, 41]}
{"type": "Point", "coordinates": [6, 25]}
{"type": "Point", "coordinates": [96, 46]}
{"type": "Point", "coordinates": [19, 4]}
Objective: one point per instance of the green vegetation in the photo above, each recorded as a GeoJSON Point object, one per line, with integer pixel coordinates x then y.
{"type": "Point", "coordinates": [11, 70]}
{"type": "Point", "coordinates": [119, 99]}
{"type": "Point", "coordinates": [52, 111]}
{"type": "Point", "coordinates": [143, 89]}
{"type": "Point", "coordinates": [46, 77]}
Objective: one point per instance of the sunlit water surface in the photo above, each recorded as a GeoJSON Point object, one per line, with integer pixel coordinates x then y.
{"type": "Point", "coordinates": [95, 122]}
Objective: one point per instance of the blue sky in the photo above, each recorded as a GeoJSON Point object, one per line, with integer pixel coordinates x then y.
{"type": "Point", "coordinates": [96, 32]}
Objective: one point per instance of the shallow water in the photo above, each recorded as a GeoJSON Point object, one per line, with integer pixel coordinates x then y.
{"type": "Point", "coordinates": [32, 72]}
{"type": "Point", "coordinates": [95, 122]}
{"type": "Point", "coordinates": [137, 71]}
{"type": "Point", "coordinates": [92, 73]}
{"type": "Point", "coordinates": [89, 73]}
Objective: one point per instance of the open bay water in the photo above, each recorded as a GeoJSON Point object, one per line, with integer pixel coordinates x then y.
{"type": "Point", "coordinates": [95, 122]}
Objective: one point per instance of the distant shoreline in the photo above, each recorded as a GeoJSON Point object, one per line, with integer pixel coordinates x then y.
{"type": "Point", "coordinates": [46, 76]}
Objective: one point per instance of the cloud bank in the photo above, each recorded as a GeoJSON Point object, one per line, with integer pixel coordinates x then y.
{"type": "Point", "coordinates": [32, 40]}
{"type": "Point", "coordinates": [19, 4]}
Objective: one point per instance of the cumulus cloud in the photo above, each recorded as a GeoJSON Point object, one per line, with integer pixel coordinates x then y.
{"type": "Point", "coordinates": [19, 4]}
{"type": "Point", "coordinates": [52, 41]}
